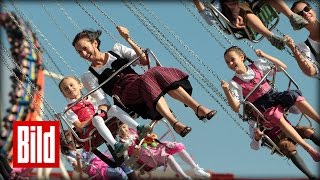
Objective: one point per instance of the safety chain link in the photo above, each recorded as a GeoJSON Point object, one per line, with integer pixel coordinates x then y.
{"type": "Point", "coordinates": [178, 55]}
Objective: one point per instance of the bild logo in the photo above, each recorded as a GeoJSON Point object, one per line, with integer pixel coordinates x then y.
{"type": "Point", "coordinates": [36, 144]}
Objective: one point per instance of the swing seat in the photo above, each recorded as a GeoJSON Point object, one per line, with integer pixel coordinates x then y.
{"type": "Point", "coordinates": [88, 141]}
{"type": "Point", "coordinates": [143, 167]}
{"type": "Point", "coordinates": [91, 140]}
{"type": "Point", "coordinates": [138, 165]}
{"type": "Point", "coordinates": [139, 110]}
{"type": "Point", "coordinates": [96, 140]}
{"type": "Point", "coordinates": [250, 112]}
{"type": "Point", "coordinates": [267, 14]}
{"type": "Point", "coordinates": [117, 102]}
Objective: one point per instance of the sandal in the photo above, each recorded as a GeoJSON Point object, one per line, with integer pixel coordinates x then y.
{"type": "Point", "coordinates": [185, 130]}
{"type": "Point", "coordinates": [208, 116]}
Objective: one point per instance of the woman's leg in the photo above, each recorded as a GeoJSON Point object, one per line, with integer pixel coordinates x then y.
{"type": "Point", "coordinates": [256, 24]}
{"type": "Point", "coordinates": [280, 6]}
{"type": "Point", "coordinates": [163, 108]}
{"type": "Point", "coordinates": [176, 167]}
{"type": "Point", "coordinates": [289, 149]}
{"type": "Point", "coordinates": [307, 109]}
{"type": "Point", "coordinates": [104, 131]}
{"type": "Point", "coordinates": [116, 111]}
{"type": "Point", "coordinates": [309, 133]}
{"type": "Point", "coordinates": [293, 134]}
{"type": "Point", "coordinates": [181, 95]}
{"type": "Point", "coordinates": [300, 164]}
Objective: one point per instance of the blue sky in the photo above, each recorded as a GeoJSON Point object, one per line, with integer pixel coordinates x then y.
{"type": "Point", "coordinates": [221, 144]}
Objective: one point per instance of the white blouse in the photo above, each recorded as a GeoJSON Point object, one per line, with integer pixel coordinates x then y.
{"type": "Point", "coordinates": [236, 90]}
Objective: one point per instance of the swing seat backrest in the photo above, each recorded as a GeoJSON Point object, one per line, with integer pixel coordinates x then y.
{"type": "Point", "coordinates": [118, 102]}
{"type": "Point", "coordinates": [250, 112]}
{"type": "Point", "coordinates": [91, 139]}
{"type": "Point", "coordinates": [253, 114]}
{"type": "Point", "coordinates": [267, 14]}
{"type": "Point", "coordinates": [138, 165]}
{"type": "Point", "coordinates": [267, 142]}
{"type": "Point", "coordinates": [143, 167]}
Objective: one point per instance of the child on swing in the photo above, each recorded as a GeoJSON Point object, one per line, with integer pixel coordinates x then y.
{"type": "Point", "coordinates": [162, 153]}
{"type": "Point", "coordinates": [270, 102]}
{"type": "Point", "coordinates": [88, 165]}
{"type": "Point", "coordinates": [88, 114]}
{"type": "Point", "coordinates": [285, 144]}
{"type": "Point", "coordinates": [240, 14]}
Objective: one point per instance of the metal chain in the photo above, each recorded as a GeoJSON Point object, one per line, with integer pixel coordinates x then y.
{"type": "Point", "coordinates": [68, 17]}
{"type": "Point", "coordinates": [73, 22]}
{"type": "Point", "coordinates": [105, 14]}
{"type": "Point", "coordinates": [315, 3]}
{"type": "Point", "coordinates": [55, 21]}
{"type": "Point", "coordinates": [186, 60]}
{"type": "Point", "coordinates": [202, 24]}
{"type": "Point", "coordinates": [112, 21]}
{"type": "Point", "coordinates": [17, 78]}
{"type": "Point", "coordinates": [52, 60]}
{"type": "Point", "coordinates": [300, 51]}
{"type": "Point", "coordinates": [22, 15]}
{"type": "Point", "coordinates": [178, 55]}
{"type": "Point", "coordinates": [286, 49]}
{"type": "Point", "coordinates": [108, 17]}
{"type": "Point", "coordinates": [180, 41]}
{"type": "Point", "coordinates": [50, 66]}
{"type": "Point", "coordinates": [96, 21]}
{"type": "Point", "coordinates": [31, 43]}
{"type": "Point", "coordinates": [193, 53]}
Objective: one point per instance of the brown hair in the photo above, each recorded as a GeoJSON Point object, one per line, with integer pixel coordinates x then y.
{"type": "Point", "coordinates": [297, 2]}
{"type": "Point", "coordinates": [68, 77]}
{"type": "Point", "coordinates": [238, 51]}
{"type": "Point", "coordinates": [91, 35]}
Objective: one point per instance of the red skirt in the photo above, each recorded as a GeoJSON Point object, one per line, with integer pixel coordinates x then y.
{"type": "Point", "coordinates": [140, 93]}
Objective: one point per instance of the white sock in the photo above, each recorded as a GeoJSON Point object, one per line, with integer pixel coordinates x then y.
{"type": "Point", "coordinates": [124, 117]}
{"type": "Point", "coordinates": [103, 130]}
{"type": "Point", "coordinates": [176, 167]}
{"type": "Point", "coordinates": [184, 155]}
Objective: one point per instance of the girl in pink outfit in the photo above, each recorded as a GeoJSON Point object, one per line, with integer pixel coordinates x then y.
{"type": "Point", "coordinates": [88, 114]}
{"type": "Point", "coordinates": [161, 152]}
{"type": "Point", "coordinates": [87, 164]}
{"type": "Point", "coordinates": [270, 102]}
